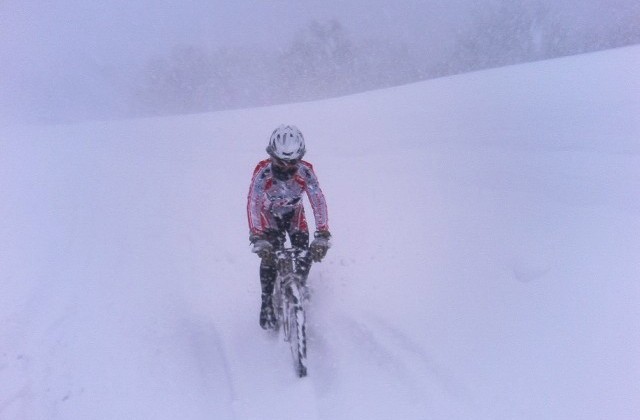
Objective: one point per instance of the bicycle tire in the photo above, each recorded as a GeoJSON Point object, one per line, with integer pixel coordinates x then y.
{"type": "Point", "coordinates": [296, 329]}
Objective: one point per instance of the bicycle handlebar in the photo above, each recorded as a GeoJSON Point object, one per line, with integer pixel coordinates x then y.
{"type": "Point", "coordinates": [293, 252]}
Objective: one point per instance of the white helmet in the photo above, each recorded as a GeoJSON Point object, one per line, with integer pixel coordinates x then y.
{"type": "Point", "coordinates": [286, 143]}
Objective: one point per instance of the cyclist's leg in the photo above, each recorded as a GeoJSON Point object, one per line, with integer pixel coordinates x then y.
{"type": "Point", "coordinates": [267, 281]}
{"type": "Point", "coordinates": [268, 273]}
{"type": "Point", "coordinates": [298, 231]}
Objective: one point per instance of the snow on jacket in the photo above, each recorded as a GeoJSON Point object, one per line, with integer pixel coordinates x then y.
{"type": "Point", "coordinates": [270, 197]}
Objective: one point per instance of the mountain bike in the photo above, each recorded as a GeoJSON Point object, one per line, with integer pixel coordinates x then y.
{"type": "Point", "coordinates": [289, 296]}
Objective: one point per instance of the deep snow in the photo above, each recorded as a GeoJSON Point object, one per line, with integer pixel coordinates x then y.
{"type": "Point", "coordinates": [484, 263]}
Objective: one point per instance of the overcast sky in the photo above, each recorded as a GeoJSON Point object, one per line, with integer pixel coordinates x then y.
{"type": "Point", "coordinates": [120, 29]}
{"type": "Point", "coordinates": [43, 43]}
{"type": "Point", "coordinates": [49, 47]}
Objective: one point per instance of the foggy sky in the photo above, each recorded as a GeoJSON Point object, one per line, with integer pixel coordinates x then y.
{"type": "Point", "coordinates": [70, 47]}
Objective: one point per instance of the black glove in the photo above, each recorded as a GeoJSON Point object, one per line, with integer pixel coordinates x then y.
{"type": "Point", "coordinates": [320, 245]}
{"type": "Point", "coordinates": [261, 246]}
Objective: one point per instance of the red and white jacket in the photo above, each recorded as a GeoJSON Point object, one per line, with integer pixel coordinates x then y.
{"type": "Point", "coordinates": [270, 197]}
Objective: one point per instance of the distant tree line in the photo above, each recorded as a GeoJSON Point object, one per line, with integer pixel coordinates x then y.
{"type": "Point", "coordinates": [517, 31]}
{"type": "Point", "coordinates": [324, 61]}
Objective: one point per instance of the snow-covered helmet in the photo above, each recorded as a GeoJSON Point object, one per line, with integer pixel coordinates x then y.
{"type": "Point", "coordinates": [286, 143]}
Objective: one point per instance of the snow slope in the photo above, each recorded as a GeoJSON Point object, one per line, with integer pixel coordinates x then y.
{"type": "Point", "coordinates": [484, 262]}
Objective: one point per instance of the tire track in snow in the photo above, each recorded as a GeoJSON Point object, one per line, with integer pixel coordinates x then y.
{"type": "Point", "coordinates": [394, 368]}
{"type": "Point", "coordinates": [404, 343]}
{"type": "Point", "coordinates": [349, 359]}
{"type": "Point", "coordinates": [265, 384]}
{"type": "Point", "coordinates": [371, 348]}
{"type": "Point", "coordinates": [209, 352]}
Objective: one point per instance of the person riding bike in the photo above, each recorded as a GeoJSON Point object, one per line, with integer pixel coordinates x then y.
{"type": "Point", "coordinates": [275, 209]}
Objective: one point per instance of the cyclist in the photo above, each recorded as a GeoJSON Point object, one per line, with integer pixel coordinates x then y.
{"type": "Point", "coordinates": [275, 209]}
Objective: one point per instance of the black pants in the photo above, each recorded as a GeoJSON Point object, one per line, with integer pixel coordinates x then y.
{"type": "Point", "coordinates": [277, 238]}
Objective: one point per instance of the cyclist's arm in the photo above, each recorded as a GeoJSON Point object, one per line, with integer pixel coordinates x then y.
{"type": "Point", "coordinates": [316, 197]}
{"type": "Point", "coordinates": [255, 196]}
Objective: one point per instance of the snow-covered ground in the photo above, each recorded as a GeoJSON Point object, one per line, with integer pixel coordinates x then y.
{"type": "Point", "coordinates": [485, 261]}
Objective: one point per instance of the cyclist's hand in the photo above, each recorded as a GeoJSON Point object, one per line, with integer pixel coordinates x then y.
{"type": "Point", "coordinates": [261, 246]}
{"type": "Point", "coordinates": [320, 245]}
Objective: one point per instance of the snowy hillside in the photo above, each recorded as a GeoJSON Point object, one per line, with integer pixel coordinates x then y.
{"type": "Point", "coordinates": [484, 263]}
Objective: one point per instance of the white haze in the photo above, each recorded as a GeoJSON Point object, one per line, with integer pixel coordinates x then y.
{"type": "Point", "coordinates": [486, 233]}
{"type": "Point", "coordinates": [74, 60]}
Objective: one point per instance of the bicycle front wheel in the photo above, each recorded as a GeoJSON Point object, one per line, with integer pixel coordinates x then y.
{"type": "Point", "coordinates": [298, 340]}
{"type": "Point", "coordinates": [297, 332]}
